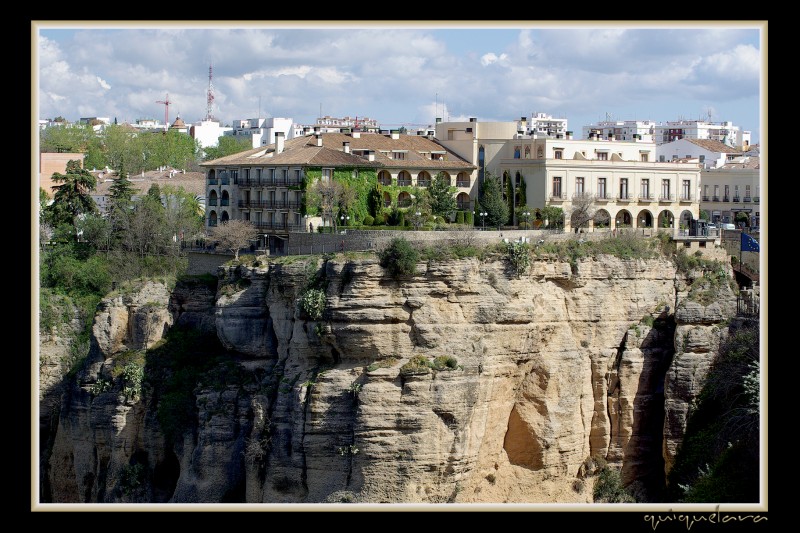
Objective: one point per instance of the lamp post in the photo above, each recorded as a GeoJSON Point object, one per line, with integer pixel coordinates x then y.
{"type": "Point", "coordinates": [344, 218]}
{"type": "Point", "coordinates": [417, 220]}
{"type": "Point", "coordinates": [483, 219]}
{"type": "Point", "coordinates": [527, 215]}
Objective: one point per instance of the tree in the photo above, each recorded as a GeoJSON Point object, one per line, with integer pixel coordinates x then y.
{"type": "Point", "coordinates": [442, 197]}
{"type": "Point", "coordinates": [227, 145]}
{"type": "Point", "coordinates": [122, 191]}
{"type": "Point", "coordinates": [330, 197]}
{"type": "Point", "coordinates": [492, 201]}
{"type": "Point", "coordinates": [553, 216]}
{"type": "Point", "coordinates": [582, 211]}
{"type": "Point", "coordinates": [234, 235]}
{"type": "Point", "coordinates": [72, 198]}
{"type": "Point", "coordinates": [43, 199]}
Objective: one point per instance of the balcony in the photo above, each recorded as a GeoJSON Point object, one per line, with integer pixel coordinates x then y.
{"type": "Point", "coordinates": [423, 183]}
{"type": "Point", "coordinates": [749, 199]}
{"type": "Point", "coordinates": [404, 183]}
{"type": "Point", "coordinates": [756, 199]}
{"type": "Point", "coordinates": [224, 181]}
{"type": "Point", "coordinates": [557, 197]}
{"type": "Point", "coordinates": [624, 197]}
{"type": "Point", "coordinates": [666, 198]}
{"type": "Point", "coordinates": [726, 198]}
{"type": "Point", "coordinates": [603, 197]}
{"type": "Point", "coordinates": [463, 206]}
{"type": "Point", "coordinates": [224, 202]}
{"type": "Point", "coordinates": [213, 181]}
{"type": "Point", "coordinates": [212, 203]}
{"type": "Point", "coordinates": [735, 198]}
{"type": "Point", "coordinates": [462, 183]}
{"type": "Point", "coordinates": [645, 197]}
{"type": "Point", "coordinates": [715, 198]}
{"type": "Point", "coordinates": [686, 198]}
{"type": "Point", "coordinates": [705, 198]}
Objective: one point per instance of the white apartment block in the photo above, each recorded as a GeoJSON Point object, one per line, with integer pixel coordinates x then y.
{"type": "Point", "coordinates": [724, 132]}
{"type": "Point", "coordinates": [543, 125]}
{"type": "Point", "coordinates": [330, 124]}
{"type": "Point", "coordinates": [262, 130]}
{"type": "Point", "coordinates": [208, 132]}
{"type": "Point", "coordinates": [621, 130]}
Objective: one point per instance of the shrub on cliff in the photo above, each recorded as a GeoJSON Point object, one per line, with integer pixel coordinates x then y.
{"type": "Point", "coordinates": [399, 258]}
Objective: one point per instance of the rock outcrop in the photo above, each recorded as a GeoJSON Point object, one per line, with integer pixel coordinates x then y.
{"type": "Point", "coordinates": [529, 376]}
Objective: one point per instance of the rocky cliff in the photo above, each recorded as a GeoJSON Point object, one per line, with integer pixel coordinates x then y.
{"type": "Point", "coordinates": [527, 377]}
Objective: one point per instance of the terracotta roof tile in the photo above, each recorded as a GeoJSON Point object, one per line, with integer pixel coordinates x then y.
{"type": "Point", "coordinates": [714, 146]}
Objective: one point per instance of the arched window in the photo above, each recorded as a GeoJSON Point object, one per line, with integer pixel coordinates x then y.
{"type": "Point", "coordinates": [212, 198]}
{"type": "Point", "coordinates": [212, 218]}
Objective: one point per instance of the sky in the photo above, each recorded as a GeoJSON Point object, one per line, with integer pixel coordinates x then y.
{"type": "Point", "coordinates": [404, 73]}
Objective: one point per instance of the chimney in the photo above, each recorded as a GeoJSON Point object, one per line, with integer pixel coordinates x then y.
{"type": "Point", "coordinates": [346, 146]}
{"type": "Point", "coordinates": [438, 119]}
{"type": "Point", "coordinates": [569, 135]}
{"type": "Point", "coordinates": [395, 134]}
{"type": "Point", "coordinates": [316, 129]}
{"type": "Point", "coordinates": [473, 119]}
{"type": "Point", "coordinates": [356, 135]}
{"type": "Point", "coordinates": [319, 138]}
{"type": "Point", "coordinates": [279, 142]}
{"type": "Point", "coordinates": [610, 136]}
{"type": "Point", "coordinates": [370, 155]}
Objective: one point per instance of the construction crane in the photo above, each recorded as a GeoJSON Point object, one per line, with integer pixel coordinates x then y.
{"type": "Point", "coordinates": [166, 103]}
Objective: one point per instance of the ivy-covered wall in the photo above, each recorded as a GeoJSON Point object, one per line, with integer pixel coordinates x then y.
{"type": "Point", "coordinates": [361, 180]}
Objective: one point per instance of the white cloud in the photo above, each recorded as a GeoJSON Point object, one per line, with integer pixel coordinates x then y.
{"type": "Point", "coordinates": [103, 83]}
{"type": "Point", "coordinates": [491, 57]}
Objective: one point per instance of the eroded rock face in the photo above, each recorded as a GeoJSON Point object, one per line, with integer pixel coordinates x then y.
{"type": "Point", "coordinates": [550, 369]}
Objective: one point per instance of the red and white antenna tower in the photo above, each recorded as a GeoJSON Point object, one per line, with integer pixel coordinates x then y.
{"type": "Point", "coordinates": [210, 97]}
{"type": "Point", "coordinates": [166, 103]}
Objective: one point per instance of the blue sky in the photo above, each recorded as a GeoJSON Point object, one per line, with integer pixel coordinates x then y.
{"type": "Point", "coordinates": [402, 73]}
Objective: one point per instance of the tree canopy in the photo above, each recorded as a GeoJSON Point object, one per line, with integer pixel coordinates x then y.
{"type": "Point", "coordinates": [492, 201]}
{"type": "Point", "coordinates": [72, 198]}
{"type": "Point", "coordinates": [227, 145]}
{"type": "Point", "coordinates": [442, 197]}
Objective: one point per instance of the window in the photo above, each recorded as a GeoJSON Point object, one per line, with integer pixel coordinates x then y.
{"type": "Point", "coordinates": [246, 174]}
{"type": "Point", "coordinates": [601, 187]}
{"type": "Point", "coordinates": [579, 186]}
{"type": "Point", "coordinates": [272, 175]}
{"type": "Point", "coordinates": [644, 157]}
{"type": "Point", "coordinates": [235, 176]}
{"type": "Point", "coordinates": [540, 153]}
{"type": "Point", "coordinates": [326, 174]}
{"type": "Point", "coordinates": [527, 152]}
{"type": "Point", "coordinates": [661, 158]}
{"type": "Point", "coordinates": [398, 155]}
{"type": "Point", "coordinates": [735, 193]}
{"type": "Point", "coordinates": [705, 193]}
{"type": "Point", "coordinates": [259, 172]}
{"type": "Point", "coordinates": [517, 150]}
{"type": "Point", "coordinates": [645, 188]}
{"type": "Point", "coordinates": [623, 188]}
{"type": "Point", "coordinates": [686, 192]}
{"type": "Point", "coordinates": [727, 194]}
{"type": "Point", "coordinates": [702, 158]}
{"type": "Point", "coordinates": [665, 189]}
{"type": "Point", "coordinates": [716, 193]}
{"type": "Point", "coordinates": [556, 187]}
{"type": "Point", "coordinates": [297, 175]}
{"type": "Point", "coordinates": [602, 156]}
{"type": "Point", "coordinates": [559, 154]}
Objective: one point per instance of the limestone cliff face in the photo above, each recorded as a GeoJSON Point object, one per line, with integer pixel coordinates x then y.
{"type": "Point", "coordinates": [551, 368]}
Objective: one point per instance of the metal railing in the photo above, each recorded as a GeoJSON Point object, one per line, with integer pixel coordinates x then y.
{"type": "Point", "coordinates": [666, 197]}
{"type": "Point", "coordinates": [747, 306]}
{"type": "Point", "coordinates": [685, 198]}
{"type": "Point", "coordinates": [624, 197]}
{"type": "Point", "coordinates": [557, 196]}
{"type": "Point", "coordinates": [735, 198]}
{"type": "Point", "coordinates": [269, 182]}
{"type": "Point", "coordinates": [646, 196]}
{"type": "Point", "coordinates": [462, 184]}
{"type": "Point", "coordinates": [726, 198]}
{"type": "Point", "coordinates": [715, 198]}
{"type": "Point", "coordinates": [268, 204]}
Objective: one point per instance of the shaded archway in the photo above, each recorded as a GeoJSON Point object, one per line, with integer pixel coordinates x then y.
{"type": "Point", "coordinates": [212, 197]}
{"type": "Point", "coordinates": [384, 178]}
{"type": "Point", "coordinates": [212, 177]}
{"type": "Point", "coordinates": [623, 219]}
{"type": "Point", "coordinates": [225, 217]}
{"type": "Point", "coordinates": [403, 199]}
{"type": "Point", "coordinates": [387, 200]}
{"type": "Point", "coordinates": [602, 219]}
{"type": "Point", "coordinates": [404, 179]}
{"type": "Point", "coordinates": [212, 218]}
{"type": "Point", "coordinates": [462, 201]}
{"type": "Point", "coordinates": [445, 176]}
{"type": "Point", "coordinates": [225, 199]}
{"type": "Point", "coordinates": [644, 219]}
{"type": "Point", "coordinates": [666, 219]}
{"type": "Point", "coordinates": [462, 179]}
{"type": "Point", "coordinates": [686, 219]}
{"type": "Point", "coordinates": [423, 179]}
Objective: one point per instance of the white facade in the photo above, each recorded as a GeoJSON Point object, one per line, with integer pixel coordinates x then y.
{"type": "Point", "coordinates": [622, 178]}
{"type": "Point", "coordinates": [708, 153]}
{"type": "Point", "coordinates": [732, 188]}
{"type": "Point", "coordinates": [208, 132]}
{"type": "Point", "coordinates": [621, 130]}
{"type": "Point", "coordinates": [724, 132]}
{"type": "Point", "coordinates": [262, 130]}
{"type": "Point", "coordinates": [543, 125]}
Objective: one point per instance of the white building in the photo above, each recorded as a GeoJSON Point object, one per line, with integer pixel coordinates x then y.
{"type": "Point", "coordinates": [543, 125]}
{"type": "Point", "coordinates": [208, 132]}
{"type": "Point", "coordinates": [732, 188]}
{"type": "Point", "coordinates": [708, 153]}
{"type": "Point", "coordinates": [621, 130]}
{"type": "Point", "coordinates": [724, 132]}
{"type": "Point", "coordinates": [262, 130]}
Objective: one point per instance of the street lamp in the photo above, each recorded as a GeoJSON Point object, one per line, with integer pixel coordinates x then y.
{"type": "Point", "coordinates": [527, 215]}
{"type": "Point", "coordinates": [343, 218]}
{"type": "Point", "coordinates": [417, 220]}
{"type": "Point", "coordinates": [483, 219]}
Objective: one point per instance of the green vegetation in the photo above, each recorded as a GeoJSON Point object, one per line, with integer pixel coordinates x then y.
{"type": "Point", "coordinates": [608, 485]}
{"type": "Point", "coordinates": [492, 201]}
{"type": "Point", "coordinates": [399, 258]}
{"type": "Point", "coordinates": [312, 302]}
{"type": "Point", "coordinates": [419, 364]}
{"type": "Point", "coordinates": [383, 363]}
{"type": "Point", "coordinates": [445, 362]}
{"type": "Point", "coordinates": [132, 478]}
{"type": "Point", "coordinates": [227, 145]}
{"type": "Point", "coordinates": [442, 198]}
{"type": "Point", "coordinates": [519, 256]}
{"type": "Point", "coordinates": [718, 460]}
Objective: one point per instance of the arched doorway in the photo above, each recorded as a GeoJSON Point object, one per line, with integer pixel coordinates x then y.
{"type": "Point", "coordinates": [384, 178]}
{"type": "Point", "coordinates": [404, 179]}
{"type": "Point", "coordinates": [212, 218]}
{"type": "Point", "coordinates": [462, 201]}
{"type": "Point", "coordinates": [462, 179]}
{"type": "Point", "coordinates": [446, 177]}
{"type": "Point", "coordinates": [225, 217]}
{"type": "Point", "coordinates": [387, 200]}
{"type": "Point", "coordinates": [403, 199]}
{"type": "Point", "coordinates": [623, 219]}
{"type": "Point", "coordinates": [686, 220]}
{"type": "Point", "coordinates": [212, 198]}
{"type": "Point", "coordinates": [602, 219]}
{"type": "Point", "coordinates": [666, 219]}
{"type": "Point", "coordinates": [423, 179]}
{"type": "Point", "coordinates": [225, 199]}
{"type": "Point", "coordinates": [644, 219]}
